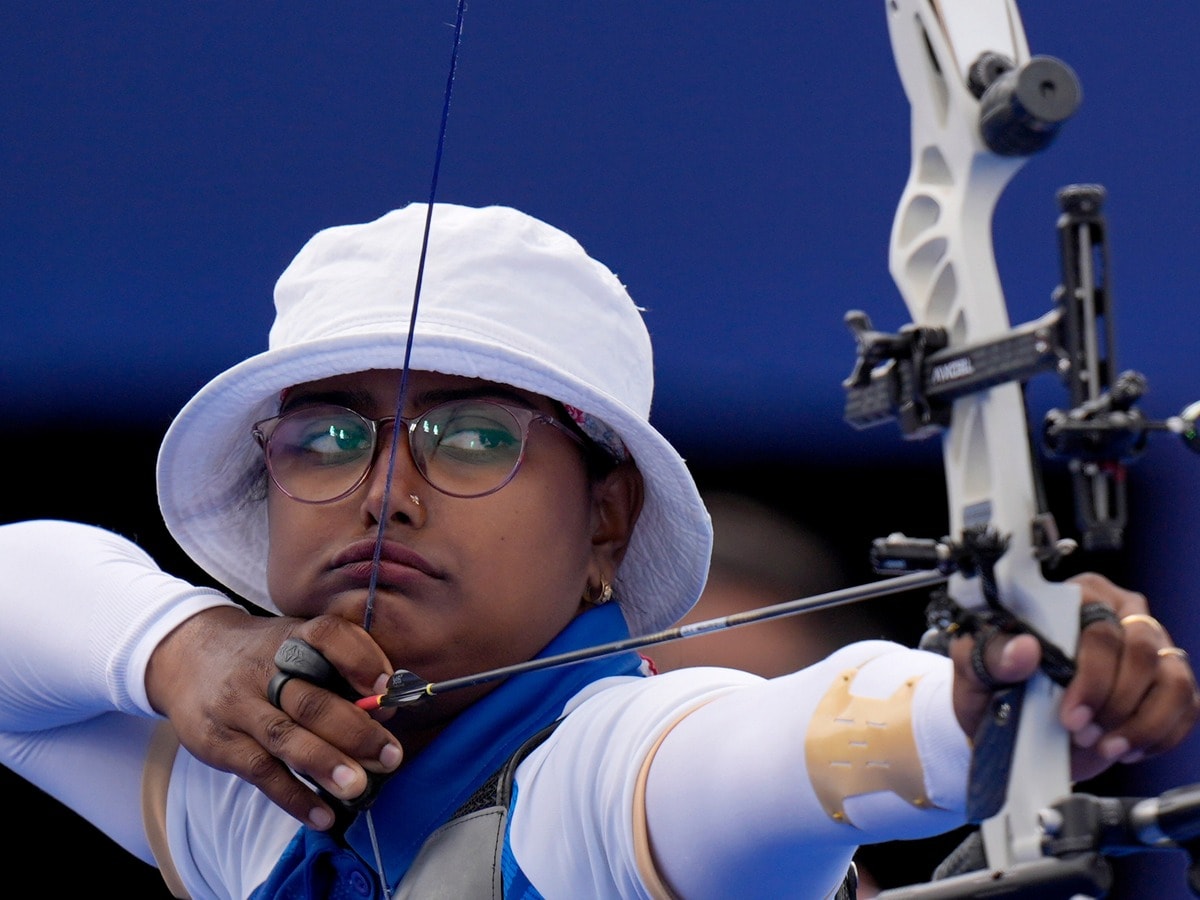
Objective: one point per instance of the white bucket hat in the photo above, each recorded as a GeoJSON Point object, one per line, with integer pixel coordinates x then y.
{"type": "Point", "coordinates": [504, 297]}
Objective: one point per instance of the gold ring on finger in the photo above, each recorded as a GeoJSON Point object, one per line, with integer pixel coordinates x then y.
{"type": "Point", "coordinates": [1145, 620]}
{"type": "Point", "coordinates": [1173, 651]}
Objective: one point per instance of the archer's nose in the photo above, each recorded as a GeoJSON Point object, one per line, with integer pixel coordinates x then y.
{"type": "Point", "coordinates": [394, 487]}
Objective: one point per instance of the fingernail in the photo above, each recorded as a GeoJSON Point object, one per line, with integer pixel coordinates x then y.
{"type": "Point", "coordinates": [320, 819]}
{"type": "Point", "coordinates": [1007, 654]}
{"type": "Point", "coordinates": [1111, 748]}
{"type": "Point", "coordinates": [1077, 718]}
{"type": "Point", "coordinates": [381, 683]}
{"type": "Point", "coordinates": [1087, 735]}
{"type": "Point", "coordinates": [1134, 756]}
{"type": "Point", "coordinates": [343, 776]}
{"type": "Point", "coordinates": [390, 756]}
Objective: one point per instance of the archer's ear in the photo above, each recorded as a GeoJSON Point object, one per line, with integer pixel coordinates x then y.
{"type": "Point", "coordinates": [616, 504]}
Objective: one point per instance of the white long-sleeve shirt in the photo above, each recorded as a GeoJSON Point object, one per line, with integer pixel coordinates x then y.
{"type": "Point", "coordinates": [740, 791]}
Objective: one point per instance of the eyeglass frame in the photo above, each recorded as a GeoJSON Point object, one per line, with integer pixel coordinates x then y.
{"type": "Point", "coordinates": [524, 416]}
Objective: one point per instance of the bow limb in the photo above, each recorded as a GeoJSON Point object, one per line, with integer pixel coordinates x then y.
{"type": "Point", "coordinates": [942, 261]}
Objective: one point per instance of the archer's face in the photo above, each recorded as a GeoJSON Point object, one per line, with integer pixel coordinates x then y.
{"type": "Point", "coordinates": [464, 584]}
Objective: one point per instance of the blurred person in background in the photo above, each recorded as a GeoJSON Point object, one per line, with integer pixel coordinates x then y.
{"type": "Point", "coordinates": [762, 557]}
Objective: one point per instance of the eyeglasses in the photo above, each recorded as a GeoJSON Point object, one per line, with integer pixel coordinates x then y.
{"type": "Point", "coordinates": [463, 448]}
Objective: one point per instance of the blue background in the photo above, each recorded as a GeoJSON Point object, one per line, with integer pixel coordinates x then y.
{"type": "Point", "coordinates": [737, 164]}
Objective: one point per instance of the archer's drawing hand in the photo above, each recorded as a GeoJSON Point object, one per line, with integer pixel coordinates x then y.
{"type": "Point", "coordinates": [210, 677]}
{"type": "Point", "coordinates": [1134, 694]}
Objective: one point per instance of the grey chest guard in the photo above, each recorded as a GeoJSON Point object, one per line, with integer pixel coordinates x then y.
{"type": "Point", "coordinates": [461, 860]}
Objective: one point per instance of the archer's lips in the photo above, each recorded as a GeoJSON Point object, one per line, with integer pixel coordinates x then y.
{"type": "Point", "coordinates": [397, 563]}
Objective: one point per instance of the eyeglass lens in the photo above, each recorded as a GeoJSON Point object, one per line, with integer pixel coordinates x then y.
{"type": "Point", "coordinates": [463, 448]}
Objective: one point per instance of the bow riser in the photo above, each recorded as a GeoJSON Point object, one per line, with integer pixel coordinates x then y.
{"type": "Point", "coordinates": [942, 260]}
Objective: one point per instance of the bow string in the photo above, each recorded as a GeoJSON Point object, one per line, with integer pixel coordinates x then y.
{"type": "Point", "coordinates": [369, 611]}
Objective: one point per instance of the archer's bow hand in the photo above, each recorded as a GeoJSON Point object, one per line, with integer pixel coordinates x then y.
{"type": "Point", "coordinates": [1133, 694]}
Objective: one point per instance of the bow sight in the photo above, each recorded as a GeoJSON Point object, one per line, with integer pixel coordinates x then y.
{"type": "Point", "coordinates": [914, 378]}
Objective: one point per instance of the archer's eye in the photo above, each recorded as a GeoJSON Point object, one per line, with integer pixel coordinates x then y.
{"type": "Point", "coordinates": [323, 436]}
{"type": "Point", "coordinates": [472, 432]}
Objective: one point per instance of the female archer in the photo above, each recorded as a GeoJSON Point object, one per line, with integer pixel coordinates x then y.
{"type": "Point", "coordinates": [497, 497]}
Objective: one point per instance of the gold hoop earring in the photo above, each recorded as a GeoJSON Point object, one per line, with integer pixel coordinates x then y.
{"type": "Point", "coordinates": [603, 597]}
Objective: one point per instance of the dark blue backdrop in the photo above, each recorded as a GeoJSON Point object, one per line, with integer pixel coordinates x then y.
{"type": "Point", "coordinates": [738, 165]}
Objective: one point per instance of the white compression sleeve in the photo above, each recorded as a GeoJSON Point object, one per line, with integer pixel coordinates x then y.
{"type": "Point", "coordinates": [731, 791]}
{"type": "Point", "coordinates": [82, 608]}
